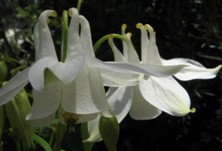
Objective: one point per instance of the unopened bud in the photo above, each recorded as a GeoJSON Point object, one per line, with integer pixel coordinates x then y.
{"type": "Point", "coordinates": [109, 130]}
{"type": "Point", "coordinates": [16, 111]}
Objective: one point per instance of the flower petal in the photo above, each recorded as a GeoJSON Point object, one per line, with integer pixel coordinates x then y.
{"type": "Point", "coordinates": [116, 79]}
{"type": "Point", "coordinates": [46, 101]}
{"type": "Point", "coordinates": [117, 54]}
{"type": "Point", "coordinates": [74, 42]}
{"type": "Point", "coordinates": [166, 94]}
{"type": "Point", "coordinates": [36, 76]}
{"type": "Point", "coordinates": [133, 68]}
{"type": "Point", "coordinates": [193, 69]}
{"type": "Point", "coordinates": [12, 88]}
{"type": "Point", "coordinates": [120, 100]}
{"type": "Point", "coordinates": [132, 54]}
{"type": "Point", "coordinates": [85, 36]}
{"type": "Point", "coordinates": [36, 41]}
{"type": "Point", "coordinates": [46, 121]}
{"type": "Point", "coordinates": [149, 51]}
{"type": "Point", "coordinates": [67, 71]}
{"type": "Point", "coordinates": [86, 94]}
{"type": "Point", "coordinates": [93, 130]}
{"type": "Point", "coordinates": [86, 118]}
{"type": "Point", "coordinates": [46, 48]}
{"type": "Point", "coordinates": [142, 109]}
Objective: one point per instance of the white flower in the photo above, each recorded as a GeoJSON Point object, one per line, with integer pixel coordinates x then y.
{"type": "Point", "coordinates": [149, 97]}
{"type": "Point", "coordinates": [156, 94]}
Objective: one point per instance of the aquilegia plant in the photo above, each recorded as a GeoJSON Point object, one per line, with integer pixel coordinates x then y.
{"type": "Point", "coordinates": [71, 90]}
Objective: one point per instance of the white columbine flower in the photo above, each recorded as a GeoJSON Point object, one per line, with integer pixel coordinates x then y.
{"type": "Point", "coordinates": [47, 94]}
{"type": "Point", "coordinates": [150, 96]}
{"type": "Point", "coordinates": [156, 94]}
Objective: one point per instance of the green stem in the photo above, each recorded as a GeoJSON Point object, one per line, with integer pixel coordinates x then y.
{"type": "Point", "coordinates": [41, 142]}
{"type": "Point", "coordinates": [106, 37]}
{"type": "Point", "coordinates": [79, 5]}
{"type": "Point", "coordinates": [64, 35]}
{"type": "Point", "coordinates": [61, 129]}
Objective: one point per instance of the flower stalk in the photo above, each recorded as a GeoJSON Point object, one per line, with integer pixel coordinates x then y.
{"type": "Point", "coordinates": [64, 35]}
{"type": "Point", "coordinates": [106, 37]}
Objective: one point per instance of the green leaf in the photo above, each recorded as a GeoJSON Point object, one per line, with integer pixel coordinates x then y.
{"type": "Point", "coordinates": [41, 142]}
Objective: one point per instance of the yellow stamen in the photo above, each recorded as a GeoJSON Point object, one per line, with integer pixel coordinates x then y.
{"type": "Point", "coordinates": [148, 27]}
{"type": "Point", "coordinates": [124, 26]}
{"type": "Point", "coordinates": [139, 25]}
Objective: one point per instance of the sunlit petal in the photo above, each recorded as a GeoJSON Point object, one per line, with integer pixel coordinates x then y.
{"type": "Point", "coordinates": [116, 79]}
{"type": "Point", "coordinates": [117, 54]}
{"type": "Point", "coordinates": [13, 86]}
{"type": "Point", "coordinates": [132, 68]}
{"type": "Point", "coordinates": [166, 94]}
{"type": "Point", "coordinates": [141, 109]}
{"type": "Point", "coordinates": [193, 69]}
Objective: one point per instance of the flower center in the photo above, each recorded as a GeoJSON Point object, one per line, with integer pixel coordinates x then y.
{"type": "Point", "coordinates": [70, 119]}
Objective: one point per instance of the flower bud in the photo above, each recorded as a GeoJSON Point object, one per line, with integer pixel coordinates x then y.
{"type": "Point", "coordinates": [16, 111]}
{"type": "Point", "coordinates": [109, 130]}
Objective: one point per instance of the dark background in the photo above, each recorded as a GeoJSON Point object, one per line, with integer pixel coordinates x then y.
{"type": "Point", "coordinates": [185, 28]}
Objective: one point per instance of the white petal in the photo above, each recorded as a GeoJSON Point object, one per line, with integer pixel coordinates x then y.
{"type": "Point", "coordinates": [120, 100]}
{"type": "Point", "coordinates": [74, 42]}
{"type": "Point", "coordinates": [132, 54]}
{"type": "Point", "coordinates": [46, 101]}
{"type": "Point", "coordinates": [12, 88]}
{"type": "Point", "coordinates": [132, 68]}
{"type": "Point", "coordinates": [115, 79]}
{"type": "Point", "coordinates": [193, 70]}
{"type": "Point", "coordinates": [67, 71]}
{"type": "Point", "coordinates": [86, 94]}
{"type": "Point", "coordinates": [141, 109]}
{"type": "Point", "coordinates": [86, 118]}
{"type": "Point", "coordinates": [85, 36]}
{"type": "Point", "coordinates": [93, 130]}
{"type": "Point", "coordinates": [166, 94]}
{"type": "Point", "coordinates": [36, 72]}
{"type": "Point", "coordinates": [117, 54]}
{"type": "Point", "coordinates": [46, 48]}
{"type": "Point", "coordinates": [36, 41]}
{"type": "Point", "coordinates": [46, 121]}
{"type": "Point", "coordinates": [149, 51]}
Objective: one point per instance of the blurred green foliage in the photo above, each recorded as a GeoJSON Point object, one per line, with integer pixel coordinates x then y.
{"type": "Point", "coordinates": [185, 28]}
